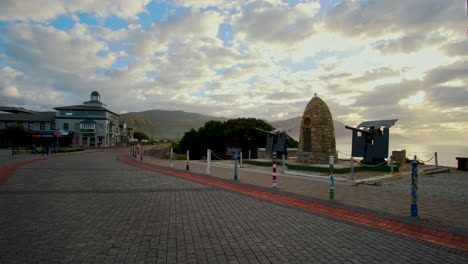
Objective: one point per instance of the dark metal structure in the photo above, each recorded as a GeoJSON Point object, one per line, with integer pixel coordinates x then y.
{"type": "Point", "coordinates": [276, 141]}
{"type": "Point", "coordinates": [370, 140]}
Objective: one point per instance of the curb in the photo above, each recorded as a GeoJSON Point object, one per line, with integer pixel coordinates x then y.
{"type": "Point", "coordinates": [433, 236]}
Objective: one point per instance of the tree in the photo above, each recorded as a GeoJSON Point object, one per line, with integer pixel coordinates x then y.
{"type": "Point", "coordinates": [16, 135]}
{"type": "Point", "coordinates": [215, 135]}
{"type": "Point", "coordinates": [140, 135]}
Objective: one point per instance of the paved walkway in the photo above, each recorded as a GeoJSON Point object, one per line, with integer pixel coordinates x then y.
{"type": "Point", "coordinates": [433, 212]}
{"type": "Point", "coordinates": [93, 208]}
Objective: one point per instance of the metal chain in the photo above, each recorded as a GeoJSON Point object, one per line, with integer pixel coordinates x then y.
{"type": "Point", "coordinates": [365, 165]}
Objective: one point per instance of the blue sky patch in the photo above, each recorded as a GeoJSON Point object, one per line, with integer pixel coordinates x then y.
{"type": "Point", "coordinates": [155, 12]}
{"type": "Point", "coordinates": [115, 23]}
{"type": "Point", "coordinates": [226, 34]}
{"type": "Point", "coordinates": [88, 18]}
{"type": "Point", "coordinates": [63, 22]}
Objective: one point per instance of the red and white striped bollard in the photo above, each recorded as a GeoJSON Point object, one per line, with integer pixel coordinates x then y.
{"type": "Point", "coordinates": [274, 184]}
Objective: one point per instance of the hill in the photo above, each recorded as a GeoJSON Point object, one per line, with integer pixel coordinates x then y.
{"type": "Point", "coordinates": [166, 124]}
{"type": "Point", "coordinates": [295, 123]}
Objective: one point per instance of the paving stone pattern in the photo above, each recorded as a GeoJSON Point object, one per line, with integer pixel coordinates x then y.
{"type": "Point", "coordinates": [98, 210]}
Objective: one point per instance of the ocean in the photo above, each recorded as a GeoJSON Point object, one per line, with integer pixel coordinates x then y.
{"type": "Point", "coordinates": [446, 154]}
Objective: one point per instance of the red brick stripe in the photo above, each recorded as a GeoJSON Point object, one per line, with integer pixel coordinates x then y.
{"type": "Point", "coordinates": [7, 171]}
{"type": "Point", "coordinates": [409, 230]}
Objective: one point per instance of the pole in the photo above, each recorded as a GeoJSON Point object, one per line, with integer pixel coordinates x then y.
{"type": "Point", "coordinates": [188, 160]}
{"type": "Point", "coordinates": [250, 153]}
{"type": "Point", "coordinates": [414, 187]}
{"type": "Point", "coordinates": [351, 168]}
{"type": "Point", "coordinates": [283, 164]}
{"type": "Point", "coordinates": [274, 183]}
{"type": "Point", "coordinates": [332, 180]}
{"type": "Point", "coordinates": [391, 165]}
{"type": "Point", "coordinates": [208, 161]}
{"type": "Point", "coordinates": [235, 166]}
{"type": "Point", "coordinates": [436, 160]}
{"type": "Point", "coordinates": [241, 163]}
{"type": "Point", "coordinates": [172, 158]}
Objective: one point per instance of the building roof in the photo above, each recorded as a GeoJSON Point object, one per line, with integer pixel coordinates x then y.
{"type": "Point", "coordinates": [95, 93]}
{"type": "Point", "coordinates": [29, 117]}
{"type": "Point", "coordinates": [85, 108]}
{"type": "Point", "coordinates": [15, 110]}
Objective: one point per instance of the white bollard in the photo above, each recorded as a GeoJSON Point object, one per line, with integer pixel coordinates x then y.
{"type": "Point", "coordinates": [208, 161]}
{"type": "Point", "coordinates": [241, 158]}
{"type": "Point", "coordinates": [172, 158]}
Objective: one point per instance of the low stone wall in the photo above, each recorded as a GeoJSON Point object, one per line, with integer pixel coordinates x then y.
{"type": "Point", "coordinates": [263, 154]}
{"type": "Point", "coordinates": [161, 151]}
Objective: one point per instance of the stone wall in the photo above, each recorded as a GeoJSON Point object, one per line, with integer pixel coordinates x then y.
{"type": "Point", "coordinates": [263, 154]}
{"type": "Point", "coordinates": [161, 151]}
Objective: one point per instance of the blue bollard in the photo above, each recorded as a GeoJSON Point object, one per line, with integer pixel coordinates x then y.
{"type": "Point", "coordinates": [414, 188]}
{"type": "Point", "coordinates": [235, 166]}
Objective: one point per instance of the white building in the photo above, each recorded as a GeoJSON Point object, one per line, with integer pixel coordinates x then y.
{"type": "Point", "coordinates": [91, 124]}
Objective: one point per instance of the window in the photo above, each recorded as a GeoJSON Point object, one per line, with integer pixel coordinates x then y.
{"type": "Point", "coordinates": [77, 126]}
{"type": "Point", "coordinates": [52, 126]}
{"type": "Point", "coordinates": [65, 126]}
{"type": "Point", "coordinates": [87, 126]}
{"type": "Point", "coordinates": [42, 126]}
{"type": "Point", "coordinates": [101, 127]}
{"type": "Point", "coordinates": [30, 125]}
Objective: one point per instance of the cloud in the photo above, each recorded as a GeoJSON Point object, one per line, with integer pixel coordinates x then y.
{"type": "Point", "coordinates": [33, 47]}
{"type": "Point", "coordinates": [46, 10]}
{"type": "Point", "coordinates": [275, 22]}
{"type": "Point", "coordinates": [374, 74]}
{"type": "Point", "coordinates": [11, 91]}
{"type": "Point", "coordinates": [407, 44]}
{"type": "Point", "coordinates": [360, 19]}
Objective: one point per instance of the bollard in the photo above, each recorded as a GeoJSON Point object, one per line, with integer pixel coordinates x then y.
{"type": "Point", "coordinates": [235, 166]}
{"type": "Point", "coordinates": [208, 161]}
{"type": "Point", "coordinates": [187, 167]}
{"type": "Point", "coordinates": [284, 163]}
{"type": "Point", "coordinates": [241, 163]}
{"type": "Point", "coordinates": [391, 165]}
{"type": "Point", "coordinates": [332, 180]}
{"type": "Point", "coordinates": [171, 156]}
{"type": "Point", "coordinates": [249, 153]}
{"type": "Point", "coordinates": [436, 160]}
{"type": "Point", "coordinates": [351, 168]}
{"type": "Point", "coordinates": [414, 187]}
{"type": "Point", "coordinates": [274, 183]}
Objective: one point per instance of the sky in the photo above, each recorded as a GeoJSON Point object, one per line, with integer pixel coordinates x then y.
{"type": "Point", "coordinates": [367, 59]}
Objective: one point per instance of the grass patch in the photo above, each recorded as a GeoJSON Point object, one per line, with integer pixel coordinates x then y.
{"type": "Point", "coordinates": [383, 168]}
{"type": "Point", "coordinates": [67, 150]}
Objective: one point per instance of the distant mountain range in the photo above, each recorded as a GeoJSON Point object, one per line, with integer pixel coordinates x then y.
{"type": "Point", "coordinates": [166, 124]}
{"type": "Point", "coordinates": [173, 124]}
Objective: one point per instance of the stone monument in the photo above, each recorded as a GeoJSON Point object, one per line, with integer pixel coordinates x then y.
{"type": "Point", "coordinates": [317, 138]}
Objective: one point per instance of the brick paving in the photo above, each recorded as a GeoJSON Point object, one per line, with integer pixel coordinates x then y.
{"type": "Point", "coordinates": [92, 208]}
{"type": "Point", "coordinates": [433, 212]}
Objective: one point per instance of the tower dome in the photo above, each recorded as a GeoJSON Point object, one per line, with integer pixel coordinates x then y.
{"type": "Point", "coordinates": [317, 137]}
{"type": "Point", "coordinates": [95, 97]}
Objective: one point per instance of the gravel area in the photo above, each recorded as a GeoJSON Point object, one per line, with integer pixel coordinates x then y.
{"type": "Point", "coordinates": [451, 186]}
